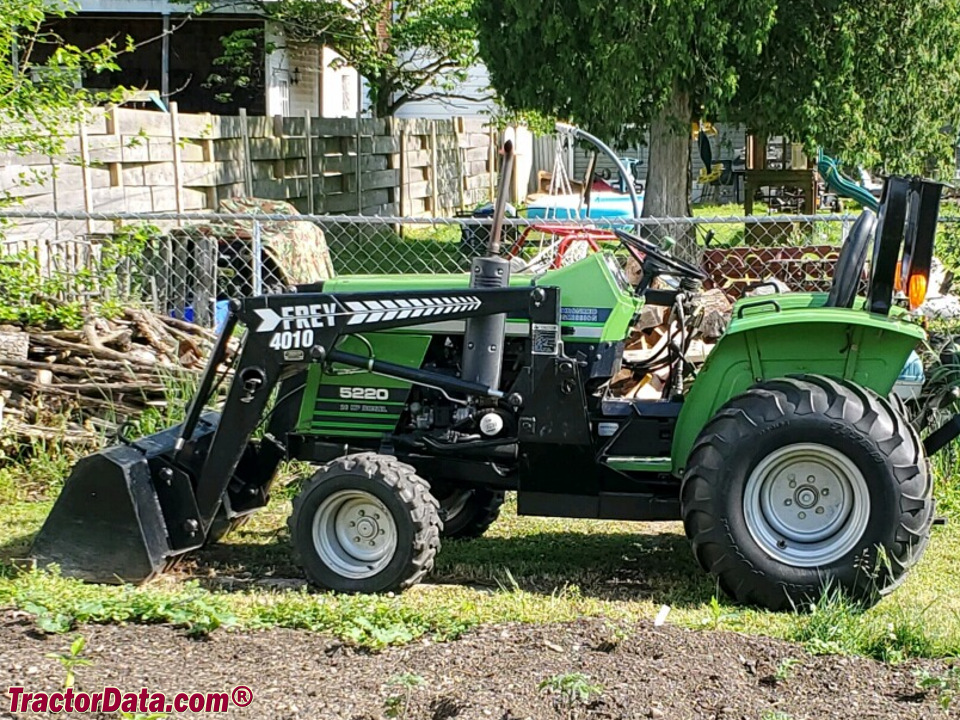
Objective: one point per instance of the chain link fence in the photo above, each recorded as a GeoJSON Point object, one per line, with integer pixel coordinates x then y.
{"type": "Point", "coordinates": [188, 265]}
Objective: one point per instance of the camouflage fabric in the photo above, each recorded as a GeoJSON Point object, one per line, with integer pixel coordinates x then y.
{"type": "Point", "coordinates": [298, 248]}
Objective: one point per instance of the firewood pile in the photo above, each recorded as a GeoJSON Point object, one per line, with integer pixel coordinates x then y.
{"type": "Point", "coordinates": [76, 386]}
{"type": "Point", "coordinates": [645, 373]}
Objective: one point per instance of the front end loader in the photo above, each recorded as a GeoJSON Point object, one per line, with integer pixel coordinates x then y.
{"type": "Point", "coordinates": [422, 399]}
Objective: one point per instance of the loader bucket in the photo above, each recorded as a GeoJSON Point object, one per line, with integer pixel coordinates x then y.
{"type": "Point", "coordinates": [123, 513]}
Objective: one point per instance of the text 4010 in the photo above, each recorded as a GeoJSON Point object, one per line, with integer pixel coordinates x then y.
{"type": "Point", "coordinates": [292, 340]}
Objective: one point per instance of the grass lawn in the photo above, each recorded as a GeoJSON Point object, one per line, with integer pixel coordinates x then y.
{"type": "Point", "coordinates": [432, 248]}
{"type": "Point", "coordinates": [524, 570]}
{"type": "Point", "coordinates": [378, 248]}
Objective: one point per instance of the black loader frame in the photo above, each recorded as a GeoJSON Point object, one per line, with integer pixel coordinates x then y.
{"type": "Point", "coordinates": [127, 511]}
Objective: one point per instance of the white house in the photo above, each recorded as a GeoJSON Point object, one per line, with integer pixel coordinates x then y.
{"type": "Point", "coordinates": [175, 60]}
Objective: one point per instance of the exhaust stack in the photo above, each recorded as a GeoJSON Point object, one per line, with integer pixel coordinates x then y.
{"type": "Point", "coordinates": [484, 336]}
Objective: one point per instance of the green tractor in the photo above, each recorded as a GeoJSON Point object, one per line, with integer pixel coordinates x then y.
{"type": "Point", "coordinates": [423, 399]}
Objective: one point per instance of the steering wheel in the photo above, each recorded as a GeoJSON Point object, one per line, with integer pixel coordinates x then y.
{"type": "Point", "coordinates": [649, 250]}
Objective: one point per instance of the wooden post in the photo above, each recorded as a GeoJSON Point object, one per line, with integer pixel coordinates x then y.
{"type": "Point", "coordinates": [461, 180]}
{"type": "Point", "coordinates": [206, 145]}
{"type": "Point", "coordinates": [85, 170]}
{"type": "Point", "coordinates": [434, 175]}
{"type": "Point", "coordinates": [247, 162]}
{"type": "Point", "coordinates": [113, 128]}
{"type": "Point", "coordinates": [280, 164]}
{"type": "Point", "coordinates": [811, 196]}
{"type": "Point", "coordinates": [308, 132]}
{"type": "Point", "coordinates": [394, 162]}
{"type": "Point", "coordinates": [177, 155]}
{"type": "Point", "coordinates": [321, 173]}
{"type": "Point", "coordinates": [404, 200]}
{"type": "Point", "coordinates": [492, 164]}
{"type": "Point", "coordinates": [56, 196]}
{"type": "Point", "coordinates": [359, 143]}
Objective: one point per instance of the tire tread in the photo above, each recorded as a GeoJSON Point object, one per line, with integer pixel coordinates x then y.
{"type": "Point", "coordinates": [804, 395]}
{"type": "Point", "coordinates": [410, 488]}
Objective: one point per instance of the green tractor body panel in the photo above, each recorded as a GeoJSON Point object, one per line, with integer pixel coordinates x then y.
{"type": "Point", "coordinates": [597, 306]}
{"type": "Point", "coordinates": [353, 403]}
{"type": "Point", "coordinates": [793, 334]}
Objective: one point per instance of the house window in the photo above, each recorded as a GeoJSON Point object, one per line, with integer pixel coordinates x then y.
{"type": "Point", "coordinates": [283, 88]}
{"type": "Point", "coordinates": [346, 83]}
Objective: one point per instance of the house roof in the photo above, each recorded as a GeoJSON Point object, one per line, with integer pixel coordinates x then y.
{"type": "Point", "coordinates": [151, 7]}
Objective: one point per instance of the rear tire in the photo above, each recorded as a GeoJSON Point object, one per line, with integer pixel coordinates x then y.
{"type": "Point", "coordinates": [467, 513]}
{"type": "Point", "coordinates": [775, 538]}
{"type": "Point", "coordinates": [365, 523]}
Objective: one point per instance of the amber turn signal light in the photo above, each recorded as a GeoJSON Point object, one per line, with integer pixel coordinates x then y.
{"type": "Point", "coordinates": [917, 290]}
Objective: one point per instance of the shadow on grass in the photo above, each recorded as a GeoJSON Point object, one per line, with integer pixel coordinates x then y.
{"type": "Point", "coordinates": [652, 563]}
{"type": "Point", "coordinates": [656, 566]}
{"type": "Point", "coordinates": [16, 547]}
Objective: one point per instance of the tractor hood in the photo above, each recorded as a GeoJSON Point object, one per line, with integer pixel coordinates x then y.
{"type": "Point", "coordinates": [597, 302]}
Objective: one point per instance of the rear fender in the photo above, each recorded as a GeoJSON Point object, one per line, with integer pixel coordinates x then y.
{"type": "Point", "coordinates": [776, 337]}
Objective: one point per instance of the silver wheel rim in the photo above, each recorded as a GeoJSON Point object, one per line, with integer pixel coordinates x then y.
{"type": "Point", "coordinates": [806, 505]}
{"type": "Point", "coordinates": [354, 534]}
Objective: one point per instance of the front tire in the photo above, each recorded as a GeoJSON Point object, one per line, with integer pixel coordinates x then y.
{"type": "Point", "coordinates": [365, 523]}
{"type": "Point", "coordinates": [805, 483]}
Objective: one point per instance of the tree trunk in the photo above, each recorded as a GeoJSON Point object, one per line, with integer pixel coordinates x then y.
{"type": "Point", "coordinates": [382, 106]}
{"type": "Point", "coordinates": [667, 192]}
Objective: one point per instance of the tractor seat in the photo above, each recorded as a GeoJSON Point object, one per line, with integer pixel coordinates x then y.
{"type": "Point", "coordinates": [853, 256]}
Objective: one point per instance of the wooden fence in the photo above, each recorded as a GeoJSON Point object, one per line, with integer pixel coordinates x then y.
{"type": "Point", "coordinates": [125, 160]}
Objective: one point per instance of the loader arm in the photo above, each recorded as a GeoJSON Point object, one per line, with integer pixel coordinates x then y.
{"type": "Point", "coordinates": [165, 490]}
{"type": "Point", "coordinates": [285, 333]}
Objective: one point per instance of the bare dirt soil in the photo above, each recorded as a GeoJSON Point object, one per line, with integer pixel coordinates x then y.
{"type": "Point", "coordinates": [492, 672]}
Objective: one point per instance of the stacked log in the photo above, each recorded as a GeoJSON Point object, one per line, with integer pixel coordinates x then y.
{"type": "Point", "coordinates": [76, 386]}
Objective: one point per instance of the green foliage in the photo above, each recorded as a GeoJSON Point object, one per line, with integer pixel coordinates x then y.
{"type": "Point", "coordinates": [240, 69]}
{"type": "Point", "coordinates": [53, 296]}
{"type": "Point", "coordinates": [59, 605]}
{"type": "Point", "coordinates": [34, 469]}
{"type": "Point", "coordinates": [365, 621]}
{"type": "Point", "coordinates": [947, 245]}
{"type": "Point", "coordinates": [719, 616]}
{"type": "Point", "coordinates": [38, 77]}
{"type": "Point", "coordinates": [30, 297]}
{"type": "Point", "coordinates": [615, 635]}
{"type": "Point", "coordinates": [611, 66]}
{"type": "Point", "coordinates": [838, 626]}
{"type": "Point", "coordinates": [397, 703]}
{"type": "Point", "coordinates": [71, 660]}
{"type": "Point", "coordinates": [946, 686]}
{"type": "Point", "coordinates": [775, 715]}
{"type": "Point", "coordinates": [873, 83]}
{"type": "Point", "coordinates": [835, 625]}
{"type": "Point", "coordinates": [407, 50]}
{"type": "Point", "coordinates": [785, 669]}
{"type": "Point", "coordinates": [571, 689]}
{"type": "Point", "coordinates": [502, 117]}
